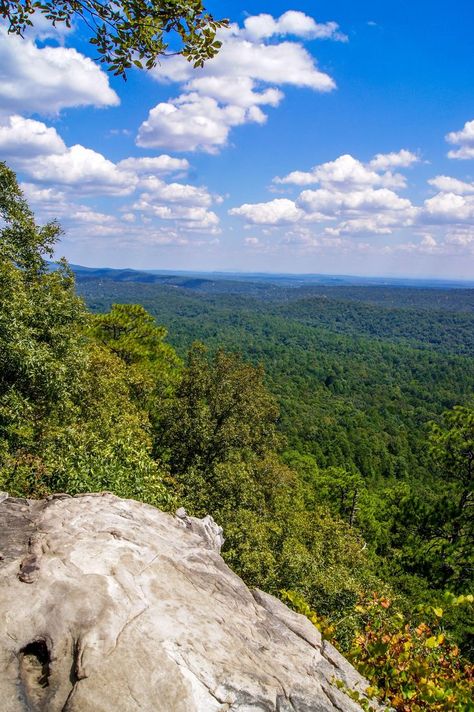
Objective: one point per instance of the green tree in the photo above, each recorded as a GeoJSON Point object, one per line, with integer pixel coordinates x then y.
{"type": "Point", "coordinates": [222, 406]}
{"type": "Point", "coordinates": [433, 527]}
{"type": "Point", "coordinates": [41, 349]}
{"type": "Point", "coordinates": [452, 447]}
{"type": "Point", "coordinates": [128, 32]}
{"type": "Point", "coordinates": [131, 333]}
{"type": "Point", "coordinates": [68, 419]}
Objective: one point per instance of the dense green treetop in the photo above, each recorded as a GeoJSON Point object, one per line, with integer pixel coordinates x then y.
{"type": "Point", "coordinates": [69, 418]}
{"type": "Point", "coordinates": [22, 242]}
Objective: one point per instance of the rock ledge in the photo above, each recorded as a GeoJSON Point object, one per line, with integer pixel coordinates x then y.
{"type": "Point", "coordinates": [110, 605]}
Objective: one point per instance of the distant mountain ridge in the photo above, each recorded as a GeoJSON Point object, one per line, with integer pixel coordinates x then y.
{"type": "Point", "coordinates": [196, 280]}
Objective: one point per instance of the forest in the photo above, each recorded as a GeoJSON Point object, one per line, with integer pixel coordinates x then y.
{"type": "Point", "coordinates": [330, 430]}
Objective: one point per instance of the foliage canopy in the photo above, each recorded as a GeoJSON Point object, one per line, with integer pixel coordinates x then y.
{"type": "Point", "coordinates": [128, 32]}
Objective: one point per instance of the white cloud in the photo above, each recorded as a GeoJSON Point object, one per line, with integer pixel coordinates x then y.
{"type": "Point", "coordinates": [28, 138]}
{"type": "Point", "coordinates": [48, 79]}
{"type": "Point", "coordinates": [40, 153]}
{"type": "Point", "coordinates": [85, 215]}
{"type": "Point", "coordinates": [331, 203]}
{"type": "Point", "coordinates": [81, 168]}
{"type": "Point", "coordinates": [44, 199]}
{"type": "Point", "coordinates": [464, 139]}
{"type": "Point", "coordinates": [352, 198]}
{"type": "Point", "coordinates": [56, 174]}
{"type": "Point", "coordinates": [182, 193]}
{"type": "Point", "coordinates": [193, 123]}
{"type": "Point", "coordinates": [186, 204]}
{"type": "Point", "coordinates": [75, 218]}
{"type": "Point", "coordinates": [188, 217]}
{"type": "Point", "coordinates": [291, 23]}
{"type": "Point", "coordinates": [345, 173]}
{"type": "Point", "coordinates": [452, 206]}
{"type": "Point", "coordinates": [154, 165]}
{"type": "Point", "coordinates": [455, 242]}
{"type": "Point", "coordinates": [428, 241]}
{"type": "Point", "coordinates": [240, 92]}
{"type": "Point", "coordinates": [400, 159]}
{"type": "Point", "coordinates": [280, 211]}
{"type": "Point", "coordinates": [379, 224]}
{"type": "Point", "coordinates": [282, 63]}
{"type": "Point", "coordinates": [43, 157]}
{"type": "Point", "coordinates": [447, 184]}
{"type": "Point", "coordinates": [462, 237]}
{"type": "Point", "coordinates": [233, 87]}
{"type": "Point", "coordinates": [449, 208]}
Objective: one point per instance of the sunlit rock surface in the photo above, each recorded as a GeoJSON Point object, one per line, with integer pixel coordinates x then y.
{"type": "Point", "coordinates": [111, 605]}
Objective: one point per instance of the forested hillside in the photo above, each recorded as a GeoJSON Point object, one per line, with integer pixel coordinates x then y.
{"type": "Point", "coordinates": [332, 437]}
{"type": "Point", "coordinates": [350, 393]}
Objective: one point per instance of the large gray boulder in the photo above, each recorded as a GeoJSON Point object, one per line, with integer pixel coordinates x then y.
{"type": "Point", "coordinates": [109, 605]}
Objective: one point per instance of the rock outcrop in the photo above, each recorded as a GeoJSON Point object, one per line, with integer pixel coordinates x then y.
{"type": "Point", "coordinates": [109, 605]}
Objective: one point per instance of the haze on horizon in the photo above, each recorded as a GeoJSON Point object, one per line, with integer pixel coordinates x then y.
{"type": "Point", "coordinates": [329, 138]}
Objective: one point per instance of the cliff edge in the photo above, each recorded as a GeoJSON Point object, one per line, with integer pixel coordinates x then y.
{"type": "Point", "coordinates": [110, 605]}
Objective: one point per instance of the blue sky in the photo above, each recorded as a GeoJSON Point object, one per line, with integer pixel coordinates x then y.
{"type": "Point", "coordinates": [333, 137]}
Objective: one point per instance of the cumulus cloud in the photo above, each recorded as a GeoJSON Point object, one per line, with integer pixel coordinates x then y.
{"type": "Point", "coordinates": [189, 217]}
{"type": "Point", "coordinates": [452, 206]}
{"type": "Point", "coordinates": [448, 184]}
{"type": "Point", "coordinates": [377, 225]}
{"type": "Point", "coordinates": [400, 159]}
{"type": "Point", "coordinates": [155, 165]}
{"type": "Point", "coordinates": [193, 122]}
{"type": "Point", "coordinates": [291, 23]}
{"type": "Point", "coordinates": [51, 201]}
{"type": "Point", "coordinates": [449, 208]}
{"type": "Point", "coordinates": [76, 218]}
{"type": "Point", "coordinates": [345, 173]}
{"type": "Point", "coordinates": [232, 88]}
{"type": "Point", "coordinates": [187, 204]}
{"type": "Point", "coordinates": [182, 193]}
{"type": "Point", "coordinates": [281, 63]}
{"type": "Point", "coordinates": [240, 92]}
{"type": "Point", "coordinates": [279, 211]}
{"type": "Point", "coordinates": [84, 214]}
{"type": "Point", "coordinates": [56, 174]}
{"type": "Point", "coordinates": [351, 198]}
{"type": "Point", "coordinates": [48, 79]}
{"type": "Point", "coordinates": [464, 139]}
{"type": "Point", "coordinates": [333, 203]}
{"type": "Point", "coordinates": [81, 168]}
{"type": "Point", "coordinates": [38, 152]}
{"type": "Point", "coordinates": [27, 138]}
